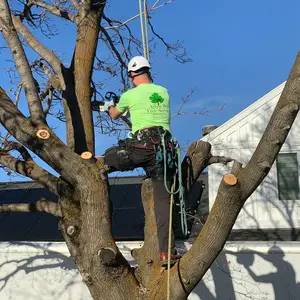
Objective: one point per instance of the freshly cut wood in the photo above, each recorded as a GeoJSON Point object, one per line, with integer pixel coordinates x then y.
{"type": "Point", "coordinates": [230, 179]}
{"type": "Point", "coordinates": [86, 155]}
{"type": "Point", "coordinates": [43, 134]}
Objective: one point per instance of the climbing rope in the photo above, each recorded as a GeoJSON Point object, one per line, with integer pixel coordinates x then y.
{"type": "Point", "coordinates": [180, 188]}
{"type": "Point", "coordinates": [144, 28]}
{"type": "Point", "coordinates": [170, 244]}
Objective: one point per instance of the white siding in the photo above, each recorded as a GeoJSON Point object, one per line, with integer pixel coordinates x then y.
{"type": "Point", "coordinates": [244, 270]}
{"type": "Point", "coordinates": [238, 138]}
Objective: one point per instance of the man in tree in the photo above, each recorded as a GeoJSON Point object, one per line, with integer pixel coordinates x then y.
{"type": "Point", "coordinates": [149, 108]}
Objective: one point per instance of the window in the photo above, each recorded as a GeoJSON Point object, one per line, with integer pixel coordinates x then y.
{"type": "Point", "coordinates": [287, 175]}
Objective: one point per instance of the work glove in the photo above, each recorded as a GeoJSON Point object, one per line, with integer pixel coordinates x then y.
{"type": "Point", "coordinates": [107, 105]}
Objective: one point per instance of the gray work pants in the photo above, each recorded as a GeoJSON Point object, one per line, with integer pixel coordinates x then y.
{"type": "Point", "coordinates": [131, 157]}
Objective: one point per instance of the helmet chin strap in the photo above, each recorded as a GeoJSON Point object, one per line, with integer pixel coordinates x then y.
{"type": "Point", "coordinates": [137, 73]}
{"type": "Point", "coordinates": [140, 73]}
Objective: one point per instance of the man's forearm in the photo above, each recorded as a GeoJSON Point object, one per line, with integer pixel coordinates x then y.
{"type": "Point", "coordinates": [114, 112]}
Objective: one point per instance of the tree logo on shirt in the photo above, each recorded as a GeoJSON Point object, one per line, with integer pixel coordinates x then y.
{"type": "Point", "coordinates": [156, 98]}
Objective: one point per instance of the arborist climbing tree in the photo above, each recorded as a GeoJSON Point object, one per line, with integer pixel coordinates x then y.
{"type": "Point", "coordinates": [149, 108]}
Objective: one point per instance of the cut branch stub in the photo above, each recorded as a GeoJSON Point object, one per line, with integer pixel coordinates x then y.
{"type": "Point", "coordinates": [71, 230]}
{"type": "Point", "coordinates": [237, 167]}
{"type": "Point", "coordinates": [43, 134]}
{"type": "Point", "coordinates": [107, 255]}
{"type": "Point", "coordinates": [86, 155]}
{"type": "Point", "coordinates": [230, 179]}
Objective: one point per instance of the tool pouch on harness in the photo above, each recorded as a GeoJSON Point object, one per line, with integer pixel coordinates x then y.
{"type": "Point", "coordinates": [151, 138]}
{"type": "Point", "coordinates": [120, 157]}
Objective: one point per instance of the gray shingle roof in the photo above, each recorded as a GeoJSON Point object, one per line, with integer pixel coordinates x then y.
{"type": "Point", "coordinates": [127, 218]}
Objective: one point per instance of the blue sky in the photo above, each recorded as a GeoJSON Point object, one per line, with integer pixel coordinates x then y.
{"type": "Point", "coordinates": [240, 50]}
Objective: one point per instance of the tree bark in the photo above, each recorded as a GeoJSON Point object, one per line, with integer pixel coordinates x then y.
{"type": "Point", "coordinates": [83, 206]}
{"type": "Point", "coordinates": [230, 199]}
{"type": "Point", "coordinates": [90, 235]}
{"type": "Point", "coordinates": [22, 64]}
{"type": "Point", "coordinates": [84, 56]}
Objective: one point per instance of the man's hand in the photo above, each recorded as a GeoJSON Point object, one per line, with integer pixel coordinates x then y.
{"type": "Point", "coordinates": [107, 105]}
{"type": "Point", "coordinates": [114, 112]}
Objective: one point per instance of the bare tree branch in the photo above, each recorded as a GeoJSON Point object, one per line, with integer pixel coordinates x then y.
{"type": "Point", "coordinates": [153, 7]}
{"type": "Point", "coordinates": [184, 101]}
{"type": "Point", "coordinates": [42, 205]}
{"type": "Point", "coordinates": [203, 112]}
{"type": "Point", "coordinates": [219, 160]}
{"type": "Point", "coordinates": [76, 4]}
{"type": "Point", "coordinates": [10, 145]}
{"type": "Point", "coordinates": [49, 102]}
{"type": "Point", "coordinates": [23, 130]}
{"type": "Point", "coordinates": [237, 167]}
{"type": "Point", "coordinates": [18, 94]}
{"type": "Point", "coordinates": [14, 43]}
{"type": "Point", "coordinates": [114, 49]}
{"type": "Point", "coordinates": [194, 162]}
{"type": "Point", "coordinates": [54, 10]}
{"type": "Point", "coordinates": [39, 48]}
{"type": "Point", "coordinates": [177, 50]}
{"type": "Point", "coordinates": [232, 195]}
{"type": "Point", "coordinates": [27, 167]}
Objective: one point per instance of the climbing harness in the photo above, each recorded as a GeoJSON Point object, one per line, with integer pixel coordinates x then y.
{"type": "Point", "coordinates": [168, 156]}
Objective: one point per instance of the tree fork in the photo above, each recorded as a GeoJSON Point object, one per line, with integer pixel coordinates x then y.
{"type": "Point", "coordinates": [204, 250]}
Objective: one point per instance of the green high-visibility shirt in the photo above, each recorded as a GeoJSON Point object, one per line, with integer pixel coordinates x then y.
{"type": "Point", "coordinates": [148, 105]}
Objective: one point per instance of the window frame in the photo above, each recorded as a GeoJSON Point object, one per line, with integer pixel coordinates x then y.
{"type": "Point", "coordinates": [295, 154]}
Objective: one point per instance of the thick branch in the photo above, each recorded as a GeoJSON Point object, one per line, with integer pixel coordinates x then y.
{"type": "Point", "coordinates": [60, 157]}
{"type": "Point", "coordinates": [219, 160]}
{"type": "Point", "coordinates": [230, 198]}
{"type": "Point", "coordinates": [84, 56]}
{"type": "Point", "coordinates": [275, 134]}
{"type": "Point", "coordinates": [14, 43]}
{"type": "Point", "coordinates": [29, 168]}
{"type": "Point", "coordinates": [18, 147]}
{"type": "Point", "coordinates": [40, 49]}
{"type": "Point", "coordinates": [39, 206]}
{"type": "Point", "coordinates": [54, 10]}
{"type": "Point", "coordinates": [195, 161]}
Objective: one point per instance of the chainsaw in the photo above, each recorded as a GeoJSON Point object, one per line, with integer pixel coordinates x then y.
{"type": "Point", "coordinates": [99, 106]}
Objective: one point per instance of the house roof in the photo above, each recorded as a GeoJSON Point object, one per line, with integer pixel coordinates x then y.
{"type": "Point", "coordinates": [244, 113]}
{"type": "Point", "coordinates": [127, 216]}
{"type": "Point", "coordinates": [14, 185]}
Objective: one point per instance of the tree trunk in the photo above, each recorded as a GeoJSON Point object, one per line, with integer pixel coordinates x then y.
{"type": "Point", "coordinates": [84, 56]}
{"type": "Point", "coordinates": [83, 187]}
{"type": "Point", "coordinates": [87, 231]}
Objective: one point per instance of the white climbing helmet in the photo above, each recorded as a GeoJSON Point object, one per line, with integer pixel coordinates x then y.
{"type": "Point", "coordinates": [137, 63]}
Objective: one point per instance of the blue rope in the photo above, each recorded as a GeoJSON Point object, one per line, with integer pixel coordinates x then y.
{"type": "Point", "coordinates": [180, 188]}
